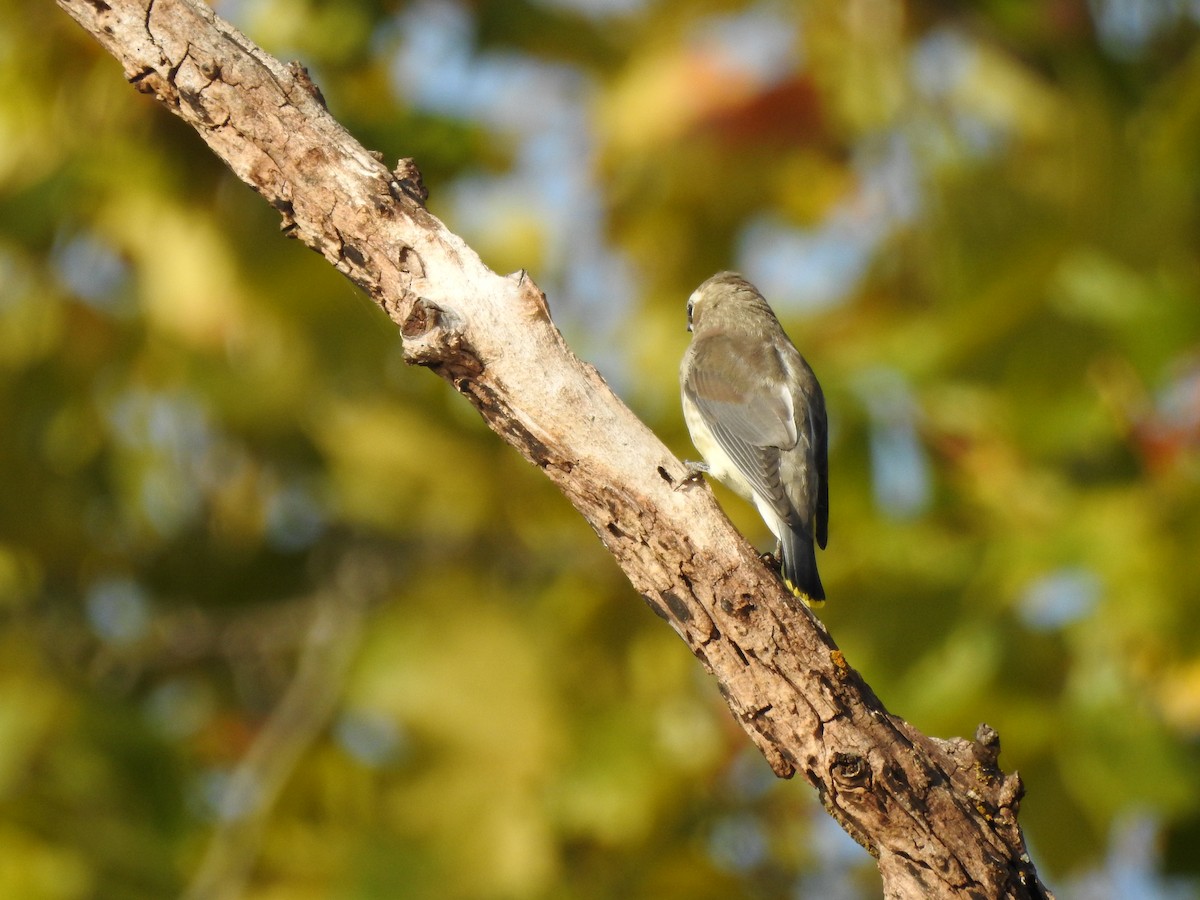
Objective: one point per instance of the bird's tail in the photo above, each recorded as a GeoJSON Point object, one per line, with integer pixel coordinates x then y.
{"type": "Point", "coordinates": [799, 566]}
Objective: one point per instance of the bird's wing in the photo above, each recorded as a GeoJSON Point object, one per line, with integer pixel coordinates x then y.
{"type": "Point", "coordinates": [819, 430]}
{"type": "Point", "coordinates": [750, 413]}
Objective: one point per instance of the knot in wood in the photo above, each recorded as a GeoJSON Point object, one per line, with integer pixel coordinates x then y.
{"type": "Point", "coordinates": [850, 772]}
{"type": "Point", "coordinates": [422, 318]}
{"type": "Point", "coordinates": [303, 80]}
{"type": "Point", "coordinates": [742, 605]}
{"type": "Point", "coordinates": [678, 606]}
{"type": "Point", "coordinates": [986, 748]}
{"type": "Point", "coordinates": [433, 336]}
{"type": "Point", "coordinates": [407, 182]}
{"type": "Point", "coordinates": [1012, 791]}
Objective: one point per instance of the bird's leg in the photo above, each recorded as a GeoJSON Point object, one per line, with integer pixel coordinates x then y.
{"type": "Point", "coordinates": [774, 560]}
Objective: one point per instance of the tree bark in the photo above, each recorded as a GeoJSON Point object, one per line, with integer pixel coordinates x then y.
{"type": "Point", "coordinates": [940, 816]}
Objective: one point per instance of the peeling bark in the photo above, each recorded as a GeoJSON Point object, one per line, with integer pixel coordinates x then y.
{"type": "Point", "coordinates": [940, 816]}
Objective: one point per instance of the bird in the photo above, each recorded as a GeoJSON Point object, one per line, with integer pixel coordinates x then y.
{"type": "Point", "coordinates": [756, 413]}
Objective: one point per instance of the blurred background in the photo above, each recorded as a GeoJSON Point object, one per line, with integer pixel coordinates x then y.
{"type": "Point", "coordinates": [279, 617]}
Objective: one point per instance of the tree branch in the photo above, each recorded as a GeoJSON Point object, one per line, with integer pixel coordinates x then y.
{"type": "Point", "coordinates": [939, 815]}
{"type": "Point", "coordinates": [304, 709]}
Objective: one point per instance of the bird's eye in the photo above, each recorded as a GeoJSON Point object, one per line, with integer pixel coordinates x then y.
{"type": "Point", "coordinates": [690, 303]}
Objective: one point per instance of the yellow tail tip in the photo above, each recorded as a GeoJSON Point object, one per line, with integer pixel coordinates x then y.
{"type": "Point", "coordinates": [803, 597]}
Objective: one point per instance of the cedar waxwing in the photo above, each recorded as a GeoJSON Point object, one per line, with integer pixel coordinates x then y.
{"type": "Point", "coordinates": [757, 416]}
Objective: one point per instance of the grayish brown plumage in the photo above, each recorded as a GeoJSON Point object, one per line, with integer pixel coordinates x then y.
{"type": "Point", "coordinates": [757, 415]}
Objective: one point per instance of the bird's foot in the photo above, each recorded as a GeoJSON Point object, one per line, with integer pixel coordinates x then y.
{"type": "Point", "coordinates": [694, 472]}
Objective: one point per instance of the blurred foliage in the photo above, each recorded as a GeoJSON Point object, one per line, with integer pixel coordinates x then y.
{"type": "Point", "coordinates": [221, 485]}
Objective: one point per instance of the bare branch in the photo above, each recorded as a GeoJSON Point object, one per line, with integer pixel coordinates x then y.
{"type": "Point", "coordinates": [305, 708]}
{"type": "Point", "coordinates": [939, 815]}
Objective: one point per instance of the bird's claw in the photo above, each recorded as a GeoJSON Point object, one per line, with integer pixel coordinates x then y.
{"type": "Point", "coordinates": [694, 472]}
